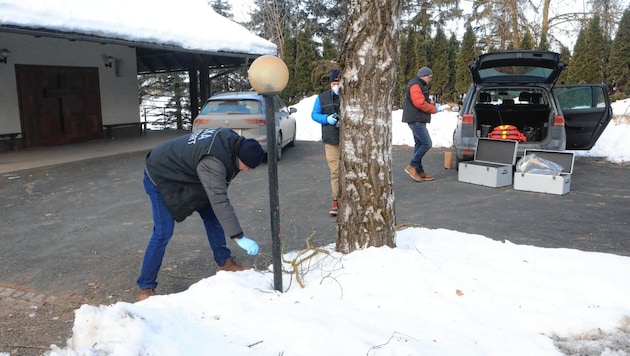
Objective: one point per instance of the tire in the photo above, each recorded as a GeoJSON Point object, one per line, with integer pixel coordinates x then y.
{"type": "Point", "coordinates": [279, 147]}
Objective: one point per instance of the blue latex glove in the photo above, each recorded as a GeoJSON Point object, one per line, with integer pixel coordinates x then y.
{"type": "Point", "coordinates": [331, 119]}
{"type": "Point", "coordinates": [248, 245]}
{"type": "Point", "coordinates": [437, 106]}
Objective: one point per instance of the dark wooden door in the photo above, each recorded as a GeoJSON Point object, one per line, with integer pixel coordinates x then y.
{"type": "Point", "coordinates": [58, 105]}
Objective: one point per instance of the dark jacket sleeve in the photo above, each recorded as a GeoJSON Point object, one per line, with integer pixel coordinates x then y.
{"type": "Point", "coordinates": [212, 174]}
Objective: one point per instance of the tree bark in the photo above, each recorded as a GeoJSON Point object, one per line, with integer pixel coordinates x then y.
{"type": "Point", "coordinates": [369, 60]}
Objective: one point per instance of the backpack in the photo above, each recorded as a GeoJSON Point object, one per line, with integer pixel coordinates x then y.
{"type": "Point", "coordinates": [507, 132]}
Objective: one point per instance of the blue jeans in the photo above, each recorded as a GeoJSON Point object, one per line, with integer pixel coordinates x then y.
{"type": "Point", "coordinates": [163, 226]}
{"type": "Point", "coordinates": [423, 144]}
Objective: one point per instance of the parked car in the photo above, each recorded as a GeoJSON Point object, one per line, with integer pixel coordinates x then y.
{"type": "Point", "coordinates": [244, 112]}
{"type": "Point", "coordinates": [518, 88]}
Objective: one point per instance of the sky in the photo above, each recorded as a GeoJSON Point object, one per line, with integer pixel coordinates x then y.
{"type": "Point", "coordinates": [439, 292]}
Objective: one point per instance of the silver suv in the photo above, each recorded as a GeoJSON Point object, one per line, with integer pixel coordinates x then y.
{"type": "Point", "coordinates": [518, 88]}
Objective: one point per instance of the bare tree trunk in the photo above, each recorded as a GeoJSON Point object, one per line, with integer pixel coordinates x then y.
{"type": "Point", "coordinates": [369, 60]}
{"type": "Point", "coordinates": [544, 28]}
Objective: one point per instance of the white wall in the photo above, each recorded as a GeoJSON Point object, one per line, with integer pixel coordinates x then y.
{"type": "Point", "coordinates": [119, 94]}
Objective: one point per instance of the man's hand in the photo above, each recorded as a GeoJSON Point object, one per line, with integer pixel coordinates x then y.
{"type": "Point", "coordinates": [332, 119]}
{"type": "Point", "coordinates": [248, 245]}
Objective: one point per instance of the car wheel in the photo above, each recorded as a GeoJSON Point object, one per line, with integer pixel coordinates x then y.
{"type": "Point", "coordinates": [292, 143]}
{"type": "Point", "coordinates": [279, 147]}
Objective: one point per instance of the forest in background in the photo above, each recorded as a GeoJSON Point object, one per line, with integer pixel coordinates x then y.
{"type": "Point", "coordinates": [435, 33]}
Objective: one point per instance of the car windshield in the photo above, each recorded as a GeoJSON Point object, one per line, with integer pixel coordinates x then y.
{"type": "Point", "coordinates": [231, 106]}
{"type": "Point", "coordinates": [539, 73]}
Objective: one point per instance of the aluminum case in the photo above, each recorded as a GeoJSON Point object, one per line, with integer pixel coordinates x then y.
{"type": "Point", "coordinates": [545, 183]}
{"type": "Point", "coordinates": [492, 165]}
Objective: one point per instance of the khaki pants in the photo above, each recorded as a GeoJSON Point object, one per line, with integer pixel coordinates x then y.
{"type": "Point", "coordinates": [333, 157]}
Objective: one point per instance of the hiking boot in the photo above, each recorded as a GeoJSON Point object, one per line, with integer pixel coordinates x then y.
{"type": "Point", "coordinates": [413, 173]}
{"type": "Point", "coordinates": [231, 266]}
{"type": "Point", "coordinates": [144, 293]}
{"type": "Point", "coordinates": [333, 210]}
{"type": "Point", "coordinates": [425, 176]}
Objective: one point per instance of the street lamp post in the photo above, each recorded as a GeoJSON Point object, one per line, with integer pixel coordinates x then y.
{"type": "Point", "coordinates": [269, 75]}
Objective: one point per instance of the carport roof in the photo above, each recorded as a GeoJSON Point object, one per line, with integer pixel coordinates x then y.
{"type": "Point", "coordinates": [166, 37]}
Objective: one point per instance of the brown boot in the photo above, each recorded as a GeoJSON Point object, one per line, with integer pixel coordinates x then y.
{"type": "Point", "coordinates": [144, 293]}
{"type": "Point", "coordinates": [333, 210]}
{"type": "Point", "coordinates": [425, 176]}
{"type": "Point", "coordinates": [413, 173]}
{"type": "Point", "coordinates": [231, 266]}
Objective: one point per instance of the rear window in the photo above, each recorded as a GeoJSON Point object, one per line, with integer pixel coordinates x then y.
{"type": "Point", "coordinates": [227, 106]}
{"type": "Point", "coordinates": [537, 74]}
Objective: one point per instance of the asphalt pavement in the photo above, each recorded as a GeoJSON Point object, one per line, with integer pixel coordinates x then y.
{"type": "Point", "coordinates": [81, 226]}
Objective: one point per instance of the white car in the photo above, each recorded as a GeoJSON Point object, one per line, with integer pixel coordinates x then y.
{"type": "Point", "coordinates": [244, 112]}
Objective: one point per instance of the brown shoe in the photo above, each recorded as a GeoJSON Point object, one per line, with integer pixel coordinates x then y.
{"type": "Point", "coordinates": [413, 173]}
{"type": "Point", "coordinates": [425, 176]}
{"type": "Point", "coordinates": [231, 266]}
{"type": "Point", "coordinates": [333, 210]}
{"type": "Point", "coordinates": [144, 293]}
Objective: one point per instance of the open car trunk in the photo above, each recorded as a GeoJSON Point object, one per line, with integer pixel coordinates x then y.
{"type": "Point", "coordinates": [528, 111]}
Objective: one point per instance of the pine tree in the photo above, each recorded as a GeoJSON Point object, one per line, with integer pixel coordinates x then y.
{"type": "Point", "coordinates": [440, 65]}
{"type": "Point", "coordinates": [466, 55]}
{"type": "Point", "coordinates": [619, 61]}
{"type": "Point", "coordinates": [577, 65]}
{"type": "Point", "coordinates": [453, 48]}
{"type": "Point", "coordinates": [527, 42]}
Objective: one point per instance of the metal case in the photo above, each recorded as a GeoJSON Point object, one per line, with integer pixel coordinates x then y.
{"type": "Point", "coordinates": [544, 183]}
{"type": "Point", "coordinates": [492, 166]}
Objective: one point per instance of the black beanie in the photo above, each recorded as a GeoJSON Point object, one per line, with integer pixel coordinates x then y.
{"type": "Point", "coordinates": [334, 75]}
{"type": "Point", "coordinates": [251, 153]}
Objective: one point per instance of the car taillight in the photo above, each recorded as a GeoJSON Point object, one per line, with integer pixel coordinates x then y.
{"type": "Point", "coordinates": [558, 120]}
{"type": "Point", "coordinates": [467, 119]}
{"type": "Point", "coordinates": [201, 121]}
{"type": "Point", "coordinates": [256, 121]}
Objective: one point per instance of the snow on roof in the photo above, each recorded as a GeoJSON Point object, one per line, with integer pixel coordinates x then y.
{"type": "Point", "coordinates": [189, 24]}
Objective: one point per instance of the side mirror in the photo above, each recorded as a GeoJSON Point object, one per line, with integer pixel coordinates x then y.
{"type": "Point", "coordinates": [292, 110]}
{"type": "Point", "coordinates": [455, 108]}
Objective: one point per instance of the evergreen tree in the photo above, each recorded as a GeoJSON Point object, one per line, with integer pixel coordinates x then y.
{"type": "Point", "coordinates": [222, 7]}
{"type": "Point", "coordinates": [619, 61]}
{"type": "Point", "coordinates": [577, 65]}
{"type": "Point", "coordinates": [440, 65]}
{"type": "Point", "coordinates": [466, 55]}
{"type": "Point", "coordinates": [453, 47]}
{"type": "Point", "coordinates": [565, 56]}
{"type": "Point", "coordinates": [596, 52]}
{"type": "Point", "coordinates": [527, 42]}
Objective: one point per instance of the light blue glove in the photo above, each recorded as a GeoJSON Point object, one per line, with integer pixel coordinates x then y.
{"type": "Point", "coordinates": [437, 106]}
{"type": "Point", "coordinates": [248, 245]}
{"type": "Point", "coordinates": [331, 119]}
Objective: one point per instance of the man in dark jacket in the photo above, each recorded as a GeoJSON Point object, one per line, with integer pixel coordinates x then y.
{"type": "Point", "coordinates": [326, 112]}
{"type": "Point", "coordinates": [417, 112]}
{"type": "Point", "coordinates": [192, 173]}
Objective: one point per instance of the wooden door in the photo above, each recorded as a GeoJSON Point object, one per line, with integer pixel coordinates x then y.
{"type": "Point", "coordinates": [58, 105]}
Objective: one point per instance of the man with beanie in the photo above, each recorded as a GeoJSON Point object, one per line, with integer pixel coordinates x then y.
{"type": "Point", "coordinates": [417, 112]}
{"type": "Point", "coordinates": [191, 174]}
{"type": "Point", "coordinates": [326, 112]}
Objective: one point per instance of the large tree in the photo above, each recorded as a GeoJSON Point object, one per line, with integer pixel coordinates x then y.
{"type": "Point", "coordinates": [369, 61]}
{"type": "Point", "coordinates": [619, 60]}
{"type": "Point", "coordinates": [467, 53]}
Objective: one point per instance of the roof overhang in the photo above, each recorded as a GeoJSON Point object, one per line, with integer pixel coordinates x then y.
{"type": "Point", "coordinates": [151, 57]}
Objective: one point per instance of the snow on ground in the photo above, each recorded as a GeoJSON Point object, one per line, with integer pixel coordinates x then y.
{"type": "Point", "coordinates": [439, 292]}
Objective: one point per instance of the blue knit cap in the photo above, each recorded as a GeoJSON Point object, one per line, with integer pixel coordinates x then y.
{"type": "Point", "coordinates": [251, 153]}
{"type": "Point", "coordinates": [334, 75]}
